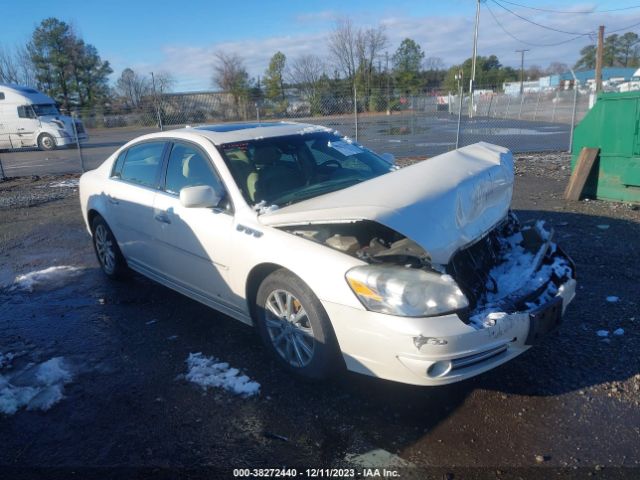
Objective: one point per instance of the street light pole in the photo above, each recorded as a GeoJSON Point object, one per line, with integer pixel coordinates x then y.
{"type": "Point", "coordinates": [473, 59]}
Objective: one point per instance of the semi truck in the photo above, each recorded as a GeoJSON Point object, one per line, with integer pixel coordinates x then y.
{"type": "Point", "coordinates": [29, 118]}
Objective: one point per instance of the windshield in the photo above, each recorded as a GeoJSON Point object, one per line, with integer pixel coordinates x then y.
{"type": "Point", "coordinates": [45, 109]}
{"type": "Point", "coordinates": [289, 169]}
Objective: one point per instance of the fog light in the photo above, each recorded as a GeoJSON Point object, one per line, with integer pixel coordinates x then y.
{"type": "Point", "coordinates": [439, 369]}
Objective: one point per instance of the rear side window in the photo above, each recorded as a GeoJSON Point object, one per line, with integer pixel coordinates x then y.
{"type": "Point", "coordinates": [141, 163]}
{"type": "Point", "coordinates": [188, 167]}
{"type": "Point", "coordinates": [1, 95]}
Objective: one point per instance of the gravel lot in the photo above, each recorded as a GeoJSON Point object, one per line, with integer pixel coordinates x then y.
{"type": "Point", "coordinates": [568, 408]}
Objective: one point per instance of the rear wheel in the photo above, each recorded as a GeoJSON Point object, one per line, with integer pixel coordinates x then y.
{"type": "Point", "coordinates": [109, 256]}
{"type": "Point", "coordinates": [46, 142]}
{"type": "Point", "coordinates": [295, 327]}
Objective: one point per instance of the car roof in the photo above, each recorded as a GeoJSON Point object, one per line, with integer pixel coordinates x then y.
{"type": "Point", "coordinates": [237, 132]}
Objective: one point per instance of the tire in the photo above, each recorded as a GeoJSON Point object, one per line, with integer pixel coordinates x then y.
{"type": "Point", "coordinates": [107, 251]}
{"type": "Point", "coordinates": [46, 142]}
{"type": "Point", "coordinates": [306, 347]}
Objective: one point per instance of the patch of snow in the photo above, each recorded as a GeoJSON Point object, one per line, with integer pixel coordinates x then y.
{"type": "Point", "coordinates": [516, 272]}
{"type": "Point", "coordinates": [49, 277]}
{"type": "Point", "coordinates": [313, 129]}
{"type": "Point", "coordinates": [151, 322]}
{"type": "Point", "coordinates": [603, 227]}
{"type": "Point", "coordinates": [263, 208]}
{"type": "Point", "coordinates": [602, 333]}
{"type": "Point", "coordinates": [71, 183]}
{"type": "Point", "coordinates": [618, 332]}
{"type": "Point", "coordinates": [209, 372]}
{"type": "Point", "coordinates": [172, 337]}
{"type": "Point", "coordinates": [37, 387]}
{"type": "Point", "coordinates": [612, 299]}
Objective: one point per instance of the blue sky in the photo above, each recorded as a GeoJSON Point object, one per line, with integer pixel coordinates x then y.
{"type": "Point", "coordinates": [181, 37]}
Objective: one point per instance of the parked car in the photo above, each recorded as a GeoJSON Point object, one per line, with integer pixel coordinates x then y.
{"type": "Point", "coordinates": [420, 275]}
{"type": "Point", "coordinates": [29, 118]}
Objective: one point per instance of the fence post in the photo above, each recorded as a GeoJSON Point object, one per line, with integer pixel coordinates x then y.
{"type": "Point", "coordinates": [573, 116]}
{"type": "Point", "coordinates": [355, 107]}
{"type": "Point", "coordinates": [75, 133]}
{"type": "Point", "coordinates": [459, 119]}
{"type": "Point", "coordinates": [535, 112]}
{"type": "Point", "coordinates": [2, 175]}
{"type": "Point", "coordinates": [521, 104]}
{"type": "Point", "coordinates": [489, 107]}
{"type": "Point", "coordinates": [555, 104]}
{"type": "Point", "coordinates": [506, 110]}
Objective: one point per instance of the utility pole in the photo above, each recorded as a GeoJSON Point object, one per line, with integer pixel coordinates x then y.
{"type": "Point", "coordinates": [521, 52]}
{"type": "Point", "coordinates": [473, 59]}
{"type": "Point", "coordinates": [599, 53]}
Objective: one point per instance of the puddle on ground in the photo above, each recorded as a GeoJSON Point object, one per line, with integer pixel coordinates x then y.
{"type": "Point", "coordinates": [507, 131]}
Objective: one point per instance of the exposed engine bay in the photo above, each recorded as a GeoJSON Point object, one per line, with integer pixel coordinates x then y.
{"type": "Point", "coordinates": [513, 268]}
{"type": "Point", "coordinates": [366, 240]}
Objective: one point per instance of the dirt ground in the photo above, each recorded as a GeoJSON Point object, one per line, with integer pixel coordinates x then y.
{"type": "Point", "coordinates": [567, 408]}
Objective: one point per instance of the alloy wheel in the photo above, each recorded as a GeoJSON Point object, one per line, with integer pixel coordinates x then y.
{"type": "Point", "coordinates": [289, 328]}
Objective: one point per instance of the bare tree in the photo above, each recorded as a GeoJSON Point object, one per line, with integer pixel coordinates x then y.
{"type": "Point", "coordinates": [370, 43]}
{"type": "Point", "coordinates": [132, 87]}
{"type": "Point", "coordinates": [556, 68]}
{"type": "Point", "coordinates": [230, 74]}
{"type": "Point", "coordinates": [434, 63]}
{"type": "Point", "coordinates": [343, 45]}
{"type": "Point", "coordinates": [306, 72]}
{"type": "Point", "coordinates": [165, 82]}
{"type": "Point", "coordinates": [16, 67]}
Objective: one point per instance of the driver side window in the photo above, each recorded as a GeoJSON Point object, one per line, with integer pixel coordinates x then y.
{"type": "Point", "coordinates": [188, 167]}
{"type": "Point", "coordinates": [25, 111]}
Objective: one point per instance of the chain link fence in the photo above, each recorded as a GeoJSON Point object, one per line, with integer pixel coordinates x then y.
{"type": "Point", "coordinates": [383, 120]}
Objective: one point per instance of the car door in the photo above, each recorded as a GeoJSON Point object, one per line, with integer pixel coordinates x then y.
{"type": "Point", "coordinates": [193, 242]}
{"type": "Point", "coordinates": [130, 194]}
{"type": "Point", "coordinates": [24, 126]}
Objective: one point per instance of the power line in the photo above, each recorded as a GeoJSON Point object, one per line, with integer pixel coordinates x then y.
{"type": "Point", "coordinates": [524, 41]}
{"type": "Point", "coordinates": [585, 12]}
{"type": "Point", "coordinates": [624, 28]}
{"type": "Point", "coordinates": [539, 24]}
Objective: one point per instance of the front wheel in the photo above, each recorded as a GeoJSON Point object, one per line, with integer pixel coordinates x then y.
{"type": "Point", "coordinates": [295, 327]}
{"type": "Point", "coordinates": [46, 142]}
{"type": "Point", "coordinates": [109, 256]}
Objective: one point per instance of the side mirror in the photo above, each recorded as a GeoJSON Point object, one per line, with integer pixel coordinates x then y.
{"type": "Point", "coordinates": [202, 196]}
{"type": "Point", "coordinates": [389, 157]}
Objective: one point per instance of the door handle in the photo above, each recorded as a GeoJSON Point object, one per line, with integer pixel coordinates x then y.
{"type": "Point", "coordinates": [113, 201]}
{"type": "Point", "coordinates": [20, 129]}
{"type": "Point", "coordinates": [162, 217]}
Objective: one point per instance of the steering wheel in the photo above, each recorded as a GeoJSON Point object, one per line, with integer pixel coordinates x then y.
{"type": "Point", "coordinates": [330, 162]}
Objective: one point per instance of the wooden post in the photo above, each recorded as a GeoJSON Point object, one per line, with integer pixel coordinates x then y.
{"type": "Point", "coordinates": [578, 179]}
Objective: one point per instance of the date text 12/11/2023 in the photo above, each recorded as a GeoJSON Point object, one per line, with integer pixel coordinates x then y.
{"type": "Point", "coordinates": [315, 473]}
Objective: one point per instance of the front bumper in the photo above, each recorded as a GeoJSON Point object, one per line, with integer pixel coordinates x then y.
{"type": "Point", "coordinates": [433, 350]}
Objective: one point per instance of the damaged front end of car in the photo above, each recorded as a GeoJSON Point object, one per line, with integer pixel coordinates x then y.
{"type": "Point", "coordinates": [450, 282]}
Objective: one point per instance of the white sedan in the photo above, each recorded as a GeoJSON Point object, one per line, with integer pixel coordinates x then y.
{"type": "Point", "coordinates": [419, 275]}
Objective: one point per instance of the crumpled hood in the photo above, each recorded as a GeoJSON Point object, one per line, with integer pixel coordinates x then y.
{"type": "Point", "coordinates": [442, 204]}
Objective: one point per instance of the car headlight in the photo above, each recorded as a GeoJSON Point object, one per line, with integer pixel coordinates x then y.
{"type": "Point", "coordinates": [407, 292]}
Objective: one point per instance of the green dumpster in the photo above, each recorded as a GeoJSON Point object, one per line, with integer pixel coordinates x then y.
{"type": "Point", "coordinates": [612, 126]}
